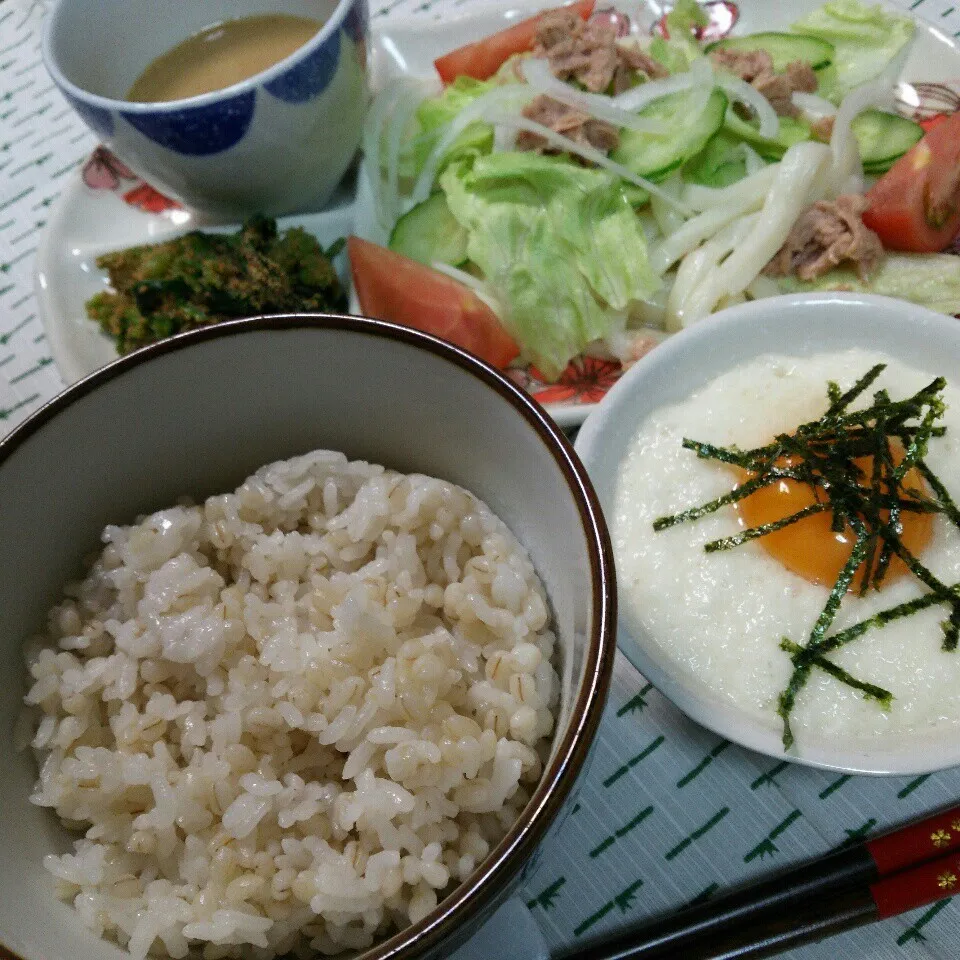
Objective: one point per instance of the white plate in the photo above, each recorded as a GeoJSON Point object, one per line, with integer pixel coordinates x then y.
{"type": "Point", "coordinates": [90, 220]}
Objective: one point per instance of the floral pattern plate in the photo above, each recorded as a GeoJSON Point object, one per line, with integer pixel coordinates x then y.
{"type": "Point", "coordinates": [106, 207]}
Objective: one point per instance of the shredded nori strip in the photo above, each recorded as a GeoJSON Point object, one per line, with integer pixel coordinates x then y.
{"type": "Point", "coordinates": [840, 403]}
{"type": "Point", "coordinates": [870, 690]}
{"type": "Point", "coordinates": [739, 493]}
{"type": "Point", "coordinates": [735, 541]}
{"type": "Point", "coordinates": [822, 455]}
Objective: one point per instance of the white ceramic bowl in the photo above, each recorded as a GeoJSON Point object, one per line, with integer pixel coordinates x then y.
{"type": "Point", "coordinates": [196, 414]}
{"type": "Point", "coordinates": [797, 325]}
{"type": "Point", "coordinates": [275, 143]}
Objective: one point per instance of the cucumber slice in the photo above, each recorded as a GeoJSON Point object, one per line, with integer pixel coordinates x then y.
{"type": "Point", "coordinates": [720, 163]}
{"type": "Point", "coordinates": [791, 131]}
{"type": "Point", "coordinates": [654, 156]}
{"type": "Point", "coordinates": [783, 48]}
{"type": "Point", "coordinates": [883, 138]}
{"type": "Point", "coordinates": [827, 83]}
{"type": "Point", "coordinates": [430, 233]}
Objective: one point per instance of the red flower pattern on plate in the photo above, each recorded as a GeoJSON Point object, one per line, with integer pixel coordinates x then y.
{"type": "Point", "coordinates": [585, 380]}
{"type": "Point", "coordinates": [104, 171]}
{"type": "Point", "coordinates": [145, 198]}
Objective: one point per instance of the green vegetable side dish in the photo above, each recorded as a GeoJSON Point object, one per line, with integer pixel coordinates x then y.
{"type": "Point", "coordinates": [204, 278]}
{"type": "Point", "coordinates": [822, 455]}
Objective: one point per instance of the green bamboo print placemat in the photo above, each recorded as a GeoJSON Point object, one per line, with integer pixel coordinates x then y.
{"type": "Point", "coordinates": [669, 813]}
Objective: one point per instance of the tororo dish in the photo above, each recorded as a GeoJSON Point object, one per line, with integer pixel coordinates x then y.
{"type": "Point", "coordinates": [732, 621]}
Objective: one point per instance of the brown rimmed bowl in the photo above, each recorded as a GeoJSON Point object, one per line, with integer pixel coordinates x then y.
{"type": "Point", "coordinates": [195, 415]}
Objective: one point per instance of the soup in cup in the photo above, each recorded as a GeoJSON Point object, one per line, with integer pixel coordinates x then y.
{"type": "Point", "coordinates": [231, 143]}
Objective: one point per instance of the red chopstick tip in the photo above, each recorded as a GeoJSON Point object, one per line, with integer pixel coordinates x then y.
{"type": "Point", "coordinates": [917, 887]}
{"type": "Point", "coordinates": [931, 837]}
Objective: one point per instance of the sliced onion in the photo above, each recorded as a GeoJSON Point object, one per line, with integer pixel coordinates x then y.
{"type": "Point", "coordinates": [538, 75]}
{"type": "Point", "coordinates": [742, 92]}
{"type": "Point", "coordinates": [697, 103]}
{"type": "Point", "coordinates": [372, 137]}
{"type": "Point", "coordinates": [621, 344]}
{"type": "Point", "coordinates": [504, 139]}
{"type": "Point", "coordinates": [699, 75]}
{"type": "Point", "coordinates": [481, 289]}
{"type": "Point", "coordinates": [668, 219]}
{"type": "Point", "coordinates": [762, 287]}
{"type": "Point", "coordinates": [409, 98]}
{"type": "Point", "coordinates": [813, 106]}
{"type": "Point", "coordinates": [892, 71]}
{"type": "Point", "coordinates": [755, 163]}
{"type": "Point", "coordinates": [479, 109]}
{"type": "Point", "coordinates": [595, 156]}
{"type": "Point", "coordinates": [753, 185]}
{"type": "Point", "coordinates": [847, 173]}
{"type": "Point", "coordinates": [651, 313]}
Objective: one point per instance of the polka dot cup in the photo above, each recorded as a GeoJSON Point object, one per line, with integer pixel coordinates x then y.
{"type": "Point", "coordinates": [276, 143]}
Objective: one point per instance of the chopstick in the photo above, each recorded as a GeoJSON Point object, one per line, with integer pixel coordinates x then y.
{"type": "Point", "coordinates": [907, 868]}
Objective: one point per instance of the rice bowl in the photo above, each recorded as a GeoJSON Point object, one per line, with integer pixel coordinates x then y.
{"type": "Point", "coordinates": [420, 406]}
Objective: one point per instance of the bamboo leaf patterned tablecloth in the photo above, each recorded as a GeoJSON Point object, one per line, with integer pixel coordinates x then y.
{"type": "Point", "coordinates": [670, 813]}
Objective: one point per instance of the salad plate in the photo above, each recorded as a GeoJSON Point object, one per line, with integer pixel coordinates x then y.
{"type": "Point", "coordinates": [929, 84]}
{"type": "Point", "coordinates": [106, 208]}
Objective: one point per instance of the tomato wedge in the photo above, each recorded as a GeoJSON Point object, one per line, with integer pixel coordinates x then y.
{"type": "Point", "coordinates": [481, 60]}
{"type": "Point", "coordinates": [915, 205]}
{"type": "Point", "coordinates": [393, 287]}
{"type": "Point", "coordinates": [933, 121]}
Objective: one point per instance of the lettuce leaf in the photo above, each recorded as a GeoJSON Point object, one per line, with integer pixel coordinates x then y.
{"type": "Point", "coordinates": [681, 49]}
{"type": "Point", "coordinates": [432, 117]}
{"type": "Point", "coordinates": [559, 244]}
{"type": "Point", "coordinates": [866, 39]}
{"type": "Point", "coordinates": [436, 112]}
{"type": "Point", "coordinates": [928, 279]}
{"type": "Point", "coordinates": [675, 56]}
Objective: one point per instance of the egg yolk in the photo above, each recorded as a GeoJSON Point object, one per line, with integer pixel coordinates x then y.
{"type": "Point", "coordinates": [809, 547]}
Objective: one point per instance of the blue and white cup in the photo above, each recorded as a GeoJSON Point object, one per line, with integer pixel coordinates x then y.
{"type": "Point", "coordinates": [276, 143]}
